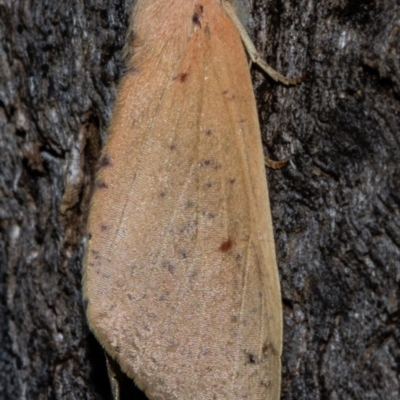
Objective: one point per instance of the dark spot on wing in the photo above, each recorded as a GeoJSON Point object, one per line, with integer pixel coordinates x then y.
{"type": "Point", "coordinates": [105, 161]}
{"type": "Point", "coordinates": [196, 20]}
{"type": "Point", "coordinates": [131, 70]}
{"type": "Point", "coordinates": [190, 204]}
{"type": "Point", "coordinates": [231, 181]}
{"type": "Point", "coordinates": [184, 254]}
{"type": "Point", "coordinates": [205, 163]}
{"type": "Point", "coordinates": [228, 94]}
{"type": "Point", "coordinates": [162, 195]}
{"type": "Point", "coordinates": [209, 215]}
{"type": "Point", "coordinates": [226, 245]}
{"type": "Point", "coordinates": [209, 132]}
{"type": "Point", "coordinates": [188, 228]}
{"type": "Point", "coordinates": [198, 13]}
{"type": "Point", "coordinates": [131, 37]}
{"type": "Point", "coordinates": [104, 227]}
{"type": "Point", "coordinates": [181, 76]}
{"type": "Point", "coordinates": [252, 359]}
{"type": "Point", "coordinates": [168, 265]}
{"type": "Point", "coordinates": [96, 254]}
{"type": "Point", "coordinates": [100, 184]}
{"type": "Point", "coordinates": [268, 350]}
{"type": "Point", "coordinates": [208, 185]}
{"type": "Point", "coordinates": [172, 147]}
{"type": "Point", "coordinates": [210, 163]}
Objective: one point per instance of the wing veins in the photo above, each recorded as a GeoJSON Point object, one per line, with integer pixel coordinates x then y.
{"type": "Point", "coordinates": [249, 190]}
{"type": "Point", "coordinates": [141, 155]}
{"type": "Point", "coordinates": [193, 168]}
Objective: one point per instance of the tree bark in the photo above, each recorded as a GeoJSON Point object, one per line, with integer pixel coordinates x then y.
{"type": "Point", "coordinates": [336, 205]}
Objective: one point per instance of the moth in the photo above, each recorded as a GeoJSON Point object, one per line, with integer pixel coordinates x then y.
{"type": "Point", "coordinates": [180, 276]}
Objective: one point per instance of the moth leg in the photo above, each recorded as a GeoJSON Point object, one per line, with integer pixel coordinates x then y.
{"type": "Point", "coordinates": [275, 164]}
{"type": "Point", "coordinates": [253, 53]}
{"type": "Point", "coordinates": [112, 371]}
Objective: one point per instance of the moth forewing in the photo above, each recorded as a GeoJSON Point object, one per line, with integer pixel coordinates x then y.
{"type": "Point", "coordinates": [180, 271]}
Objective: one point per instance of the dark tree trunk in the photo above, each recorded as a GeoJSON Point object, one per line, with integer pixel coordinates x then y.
{"type": "Point", "coordinates": [335, 205]}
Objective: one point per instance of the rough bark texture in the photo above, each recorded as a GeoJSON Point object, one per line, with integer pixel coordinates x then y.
{"type": "Point", "coordinates": [335, 205]}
